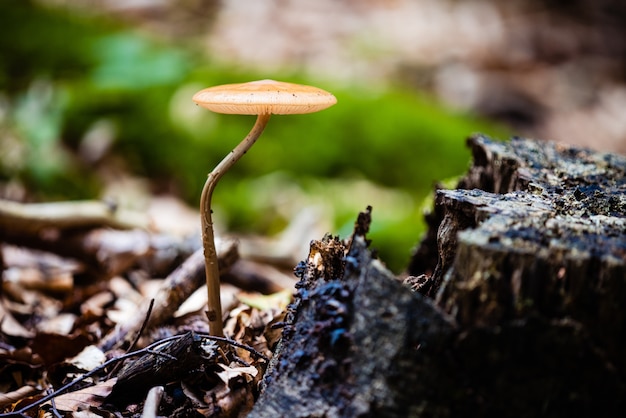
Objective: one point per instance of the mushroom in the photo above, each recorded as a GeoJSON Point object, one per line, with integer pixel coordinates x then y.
{"type": "Point", "coordinates": [262, 98]}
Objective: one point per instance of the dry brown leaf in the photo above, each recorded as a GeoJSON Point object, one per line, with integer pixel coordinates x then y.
{"type": "Point", "coordinates": [221, 401]}
{"type": "Point", "coordinates": [94, 306]}
{"type": "Point", "coordinates": [230, 373]}
{"type": "Point", "coordinates": [122, 288]}
{"type": "Point", "coordinates": [38, 270]}
{"type": "Point", "coordinates": [170, 214]}
{"type": "Point", "coordinates": [198, 299]}
{"type": "Point", "coordinates": [33, 278]}
{"type": "Point", "coordinates": [278, 300]}
{"type": "Point", "coordinates": [16, 395]}
{"type": "Point", "coordinates": [88, 359]}
{"type": "Point", "coordinates": [10, 326]}
{"type": "Point", "coordinates": [54, 348]}
{"type": "Point", "coordinates": [83, 399]}
{"type": "Point", "coordinates": [123, 311]}
{"type": "Point", "coordinates": [226, 402]}
{"type": "Point", "coordinates": [61, 324]}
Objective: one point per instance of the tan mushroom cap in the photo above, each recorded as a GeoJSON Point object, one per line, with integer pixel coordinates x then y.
{"type": "Point", "coordinates": [264, 97]}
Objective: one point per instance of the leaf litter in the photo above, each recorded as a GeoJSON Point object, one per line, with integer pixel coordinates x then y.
{"type": "Point", "coordinates": [77, 337]}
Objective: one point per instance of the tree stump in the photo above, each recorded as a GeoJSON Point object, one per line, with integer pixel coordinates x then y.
{"type": "Point", "coordinates": [518, 314]}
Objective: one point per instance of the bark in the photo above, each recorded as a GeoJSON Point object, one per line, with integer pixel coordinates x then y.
{"type": "Point", "coordinates": [536, 229]}
{"type": "Point", "coordinates": [344, 353]}
{"type": "Point", "coordinates": [519, 314]}
{"type": "Point", "coordinates": [176, 360]}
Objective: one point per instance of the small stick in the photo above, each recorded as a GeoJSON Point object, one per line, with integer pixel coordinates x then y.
{"type": "Point", "coordinates": [136, 340]}
{"type": "Point", "coordinates": [147, 350]}
{"type": "Point", "coordinates": [67, 215]}
{"type": "Point", "coordinates": [55, 411]}
{"type": "Point", "coordinates": [143, 326]}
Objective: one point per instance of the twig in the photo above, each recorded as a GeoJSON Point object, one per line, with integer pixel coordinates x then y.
{"type": "Point", "coordinates": [149, 349]}
{"type": "Point", "coordinates": [143, 326]}
{"type": "Point", "coordinates": [55, 411]}
{"type": "Point", "coordinates": [137, 337]}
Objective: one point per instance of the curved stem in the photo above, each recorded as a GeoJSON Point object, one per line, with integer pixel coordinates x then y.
{"type": "Point", "coordinates": [214, 312]}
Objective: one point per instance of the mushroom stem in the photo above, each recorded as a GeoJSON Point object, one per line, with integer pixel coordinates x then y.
{"type": "Point", "coordinates": [214, 305]}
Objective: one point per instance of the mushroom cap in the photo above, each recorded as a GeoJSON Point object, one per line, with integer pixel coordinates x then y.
{"type": "Point", "coordinates": [264, 97]}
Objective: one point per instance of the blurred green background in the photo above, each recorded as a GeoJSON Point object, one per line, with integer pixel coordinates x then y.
{"type": "Point", "coordinates": [85, 99]}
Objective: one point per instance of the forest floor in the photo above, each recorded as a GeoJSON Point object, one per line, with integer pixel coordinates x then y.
{"type": "Point", "coordinates": [75, 296]}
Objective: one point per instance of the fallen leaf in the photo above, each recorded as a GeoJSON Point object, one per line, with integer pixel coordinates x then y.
{"type": "Point", "coordinates": [16, 395]}
{"type": "Point", "coordinates": [54, 348]}
{"type": "Point", "coordinates": [10, 326]}
{"type": "Point", "coordinates": [230, 373]}
{"type": "Point", "coordinates": [278, 300]}
{"type": "Point", "coordinates": [88, 359]}
{"type": "Point", "coordinates": [94, 307]}
{"type": "Point", "coordinates": [61, 324]}
{"type": "Point", "coordinates": [85, 398]}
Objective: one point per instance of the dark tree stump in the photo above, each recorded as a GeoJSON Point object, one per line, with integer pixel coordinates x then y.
{"type": "Point", "coordinates": [520, 314]}
{"type": "Point", "coordinates": [546, 236]}
{"type": "Point", "coordinates": [355, 337]}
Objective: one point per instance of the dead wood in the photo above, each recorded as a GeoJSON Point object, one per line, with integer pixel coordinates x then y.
{"type": "Point", "coordinates": [196, 362]}
{"type": "Point", "coordinates": [173, 361]}
{"type": "Point", "coordinates": [345, 350]}
{"type": "Point", "coordinates": [31, 218]}
{"type": "Point", "coordinates": [536, 229]}
{"type": "Point", "coordinates": [521, 312]}
{"type": "Point", "coordinates": [105, 239]}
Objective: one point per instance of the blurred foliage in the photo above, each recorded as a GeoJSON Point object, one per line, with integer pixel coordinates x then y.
{"type": "Point", "coordinates": [81, 96]}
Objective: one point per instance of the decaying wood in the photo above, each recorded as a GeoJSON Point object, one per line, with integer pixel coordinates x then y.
{"type": "Point", "coordinates": [105, 239]}
{"type": "Point", "coordinates": [203, 367]}
{"type": "Point", "coordinates": [536, 229]}
{"type": "Point", "coordinates": [173, 361]}
{"type": "Point", "coordinates": [34, 217]}
{"type": "Point", "coordinates": [519, 310]}
{"type": "Point", "coordinates": [344, 350]}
